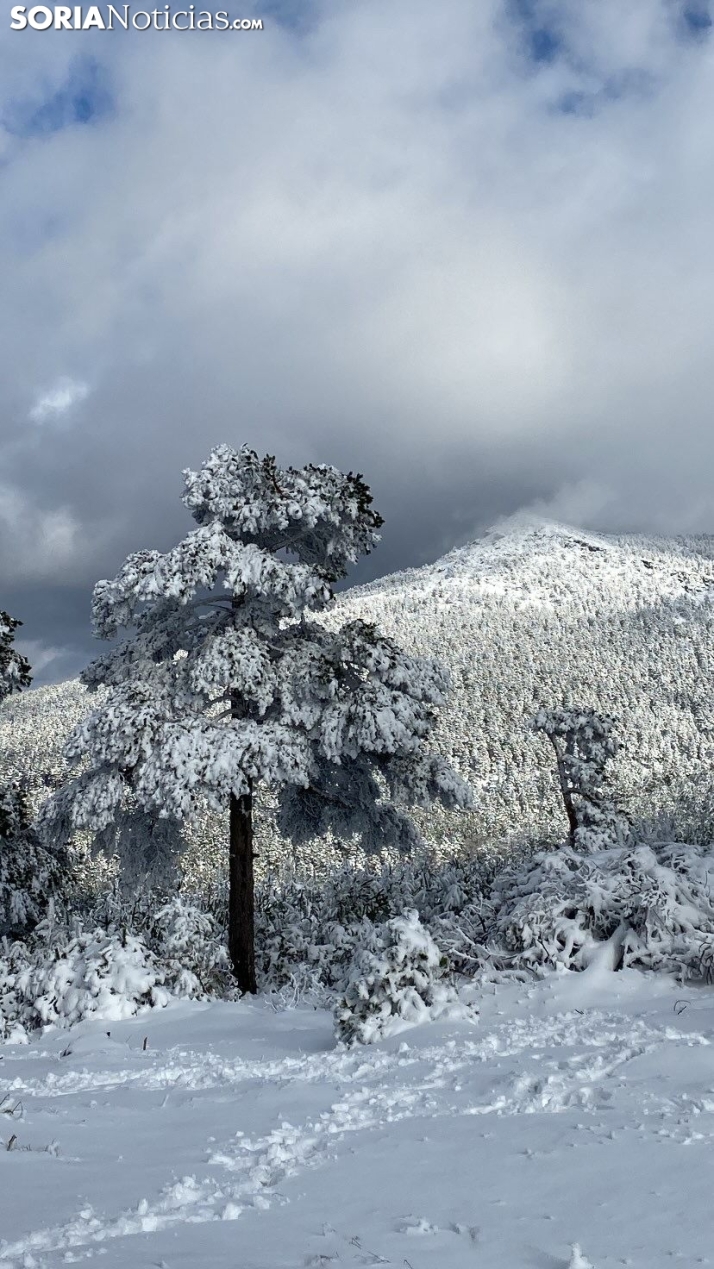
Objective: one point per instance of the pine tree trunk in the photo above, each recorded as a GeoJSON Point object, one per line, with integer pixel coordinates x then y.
{"type": "Point", "coordinates": [241, 886]}
{"type": "Point", "coordinates": [241, 904]}
{"type": "Point", "coordinates": [567, 795]}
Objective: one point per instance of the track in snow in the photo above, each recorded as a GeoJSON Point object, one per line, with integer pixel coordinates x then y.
{"type": "Point", "coordinates": [216, 1123]}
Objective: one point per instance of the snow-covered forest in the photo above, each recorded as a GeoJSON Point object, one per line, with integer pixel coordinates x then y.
{"type": "Point", "coordinates": [527, 617]}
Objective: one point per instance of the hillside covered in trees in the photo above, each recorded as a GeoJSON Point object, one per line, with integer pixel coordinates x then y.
{"type": "Point", "coordinates": [531, 616]}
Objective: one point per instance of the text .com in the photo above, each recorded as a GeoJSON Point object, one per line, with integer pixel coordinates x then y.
{"type": "Point", "coordinates": [77, 17]}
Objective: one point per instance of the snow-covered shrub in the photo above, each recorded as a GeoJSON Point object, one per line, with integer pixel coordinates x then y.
{"type": "Point", "coordinates": [402, 979]}
{"type": "Point", "coordinates": [66, 972]}
{"type": "Point", "coordinates": [184, 933]}
{"type": "Point", "coordinates": [95, 974]}
{"type": "Point", "coordinates": [301, 942]}
{"type": "Point", "coordinates": [13, 959]}
{"type": "Point", "coordinates": [308, 930]}
{"type": "Point", "coordinates": [651, 904]}
{"type": "Point", "coordinates": [189, 944]}
{"type": "Point", "coordinates": [61, 980]}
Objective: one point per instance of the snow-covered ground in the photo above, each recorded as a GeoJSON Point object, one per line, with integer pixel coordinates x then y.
{"type": "Point", "coordinates": [572, 1125]}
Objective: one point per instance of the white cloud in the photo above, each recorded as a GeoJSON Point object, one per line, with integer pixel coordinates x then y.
{"type": "Point", "coordinates": [42, 657]}
{"type": "Point", "coordinates": [586, 502]}
{"type": "Point", "coordinates": [38, 544]}
{"type": "Point", "coordinates": [58, 400]}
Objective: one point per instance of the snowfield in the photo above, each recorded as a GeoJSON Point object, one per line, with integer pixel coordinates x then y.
{"type": "Point", "coordinates": [570, 1126]}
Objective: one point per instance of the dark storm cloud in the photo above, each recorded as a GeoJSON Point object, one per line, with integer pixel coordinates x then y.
{"type": "Point", "coordinates": [466, 251]}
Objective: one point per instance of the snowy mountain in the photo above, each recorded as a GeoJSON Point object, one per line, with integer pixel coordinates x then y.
{"type": "Point", "coordinates": [529, 616]}
{"type": "Point", "coordinates": [536, 613]}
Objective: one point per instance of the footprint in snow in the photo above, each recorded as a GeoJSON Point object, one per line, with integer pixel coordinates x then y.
{"type": "Point", "coordinates": [577, 1259]}
{"type": "Point", "coordinates": [420, 1225]}
{"type": "Point", "coordinates": [414, 1227]}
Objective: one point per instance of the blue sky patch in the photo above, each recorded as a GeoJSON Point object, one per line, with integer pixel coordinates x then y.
{"type": "Point", "coordinates": [300, 17]}
{"type": "Point", "coordinates": [697, 18]}
{"type": "Point", "coordinates": [541, 41]}
{"type": "Point", "coordinates": [84, 98]}
{"type": "Point", "coordinates": [632, 83]}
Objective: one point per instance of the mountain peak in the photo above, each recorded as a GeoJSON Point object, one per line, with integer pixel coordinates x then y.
{"type": "Point", "coordinates": [524, 532]}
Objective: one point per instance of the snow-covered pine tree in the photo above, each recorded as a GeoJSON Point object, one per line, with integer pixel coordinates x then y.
{"type": "Point", "coordinates": [398, 980]}
{"type": "Point", "coordinates": [584, 743]}
{"type": "Point", "coordinates": [228, 681]}
{"type": "Point", "coordinates": [30, 875]}
{"type": "Point", "coordinates": [14, 668]}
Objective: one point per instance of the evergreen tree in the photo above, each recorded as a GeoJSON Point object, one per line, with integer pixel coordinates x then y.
{"type": "Point", "coordinates": [29, 873]}
{"type": "Point", "coordinates": [14, 668]}
{"type": "Point", "coordinates": [228, 681]}
{"type": "Point", "coordinates": [584, 743]}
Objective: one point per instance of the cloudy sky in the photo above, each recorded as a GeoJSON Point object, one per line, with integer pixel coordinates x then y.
{"type": "Point", "coordinates": [465, 248]}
